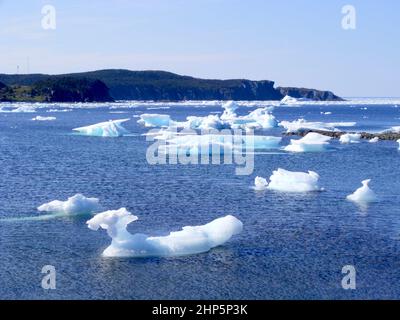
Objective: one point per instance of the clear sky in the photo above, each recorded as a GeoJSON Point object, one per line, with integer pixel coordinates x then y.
{"type": "Point", "coordinates": [294, 42]}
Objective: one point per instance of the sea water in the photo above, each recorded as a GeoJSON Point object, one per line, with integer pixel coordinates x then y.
{"type": "Point", "coordinates": [293, 246]}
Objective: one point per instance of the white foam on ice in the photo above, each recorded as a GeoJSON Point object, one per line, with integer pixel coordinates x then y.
{"type": "Point", "coordinates": [260, 184]}
{"type": "Point", "coordinates": [312, 142]}
{"type": "Point", "coordinates": [41, 118]}
{"type": "Point", "coordinates": [363, 195]}
{"type": "Point", "coordinates": [75, 205]}
{"type": "Point", "coordinates": [350, 138]}
{"type": "Point", "coordinates": [111, 128]}
{"type": "Point", "coordinates": [290, 181]}
{"type": "Point", "coordinates": [190, 240]}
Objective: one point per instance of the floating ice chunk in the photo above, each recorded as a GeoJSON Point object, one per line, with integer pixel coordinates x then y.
{"type": "Point", "coordinates": [260, 184]}
{"type": "Point", "coordinates": [190, 240]}
{"type": "Point", "coordinates": [217, 143]}
{"type": "Point", "coordinates": [40, 118]}
{"type": "Point", "coordinates": [326, 113]}
{"type": "Point", "coordinates": [301, 124]}
{"type": "Point", "coordinates": [260, 118]}
{"type": "Point", "coordinates": [350, 138]}
{"type": "Point", "coordinates": [25, 108]}
{"type": "Point", "coordinates": [374, 140]}
{"type": "Point", "coordinates": [112, 128]}
{"type": "Point", "coordinates": [312, 142]}
{"type": "Point", "coordinates": [398, 141]}
{"type": "Point", "coordinates": [288, 100]}
{"type": "Point", "coordinates": [363, 195]}
{"type": "Point", "coordinates": [155, 120]}
{"type": "Point", "coordinates": [289, 181]}
{"type": "Point", "coordinates": [59, 110]}
{"type": "Point", "coordinates": [78, 204]}
{"type": "Point", "coordinates": [229, 110]}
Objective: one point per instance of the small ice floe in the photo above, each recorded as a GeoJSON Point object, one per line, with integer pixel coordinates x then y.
{"type": "Point", "coordinates": [290, 181]}
{"type": "Point", "coordinates": [155, 120]}
{"type": "Point", "coordinates": [363, 195]}
{"type": "Point", "coordinates": [190, 240]}
{"type": "Point", "coordinates": [350, 138]}
{"type": "Point", "coordinates": [326, 113]}
{"type": "Point", "coordinates": [112, 128]}
{"type": "Point", "coordinates": [374, 140]}
{"type": "Point", "coordinates": [260, 184]}
{"type": "Point", "coordinates": [312, 142]}
{"type": "Point", "coordinates": [302, 124]}
{"type": "Point", "coordinates": [75, 205]}
{"type": "Point", "coordinates": [41, 118]}
{"type": "Point", "coordinates": [398, 141]}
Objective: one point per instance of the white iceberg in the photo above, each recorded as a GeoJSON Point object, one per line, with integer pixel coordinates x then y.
{"type": "Point", "coordinates": [374, 140]}
{"type": "Point", "coordinates": [155, 120]}
{"type": "Point", "coordinates": [312, 142]}
{"type": "Point", "coordinates": [229, 110]}
{"type": "Point", "coordinates": [288, 100]}
{"type": "Point", "coordinates": [350, 138]}
{"type": "Point", "coordinates": [289, 181]}
{"type": "Point", "coordinates": [260, 118]}
{"type": "Point", "coordinates": [190, 240]}
{"type": "Point", "coordinates": [260, 184]}
{"type": "Point", "coordinates": [363, 195]}
{"type": "Point", "coordinates": [75, 205]}
{"type": "Point", "coordinates": [301, 124]}
{"type": "Point", "coordinates": [215, 143]}
{"type": "Point", "coordinates": [111, 128]}
{"type": "Point", "coordinates": [41, 118]}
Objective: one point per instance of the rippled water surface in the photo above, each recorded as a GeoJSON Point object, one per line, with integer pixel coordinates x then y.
{"type": "Point", "coordinates": [292, 246]}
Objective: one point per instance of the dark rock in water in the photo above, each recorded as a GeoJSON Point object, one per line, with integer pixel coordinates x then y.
{"type": "Point", "coordinates": [311, 94]}
{"type": "Point", "coordinates": [338, 134]}
{"type": "Point", "coordinates": [161, 85]}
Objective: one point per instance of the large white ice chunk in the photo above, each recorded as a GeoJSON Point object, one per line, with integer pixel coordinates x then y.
{"type": "Point", "coordinates": [288, 100]}
{"type": "Point", "coordinates": [374, 140]}
{"type": "Point", "coordinates": [112, 128]}
{"type": "Point", "coordinates": [312, 142]}
{"type": "Point", "coordinates": [76, 205]}
{"type": "Point", "coordinates": [155, 120]}
{"type": "Point", "coordinates": [229, 110]}
{"type": "Point", "coordinates": [350, 138]}
{"type": "Point", "coordinates": [289, 181]}
{"type": "Point", "coordinates": [190, 240]}
{"type": "Point", "coordinates": [363, 195]}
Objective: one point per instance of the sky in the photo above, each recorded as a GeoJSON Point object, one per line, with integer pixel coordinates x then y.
{"type": "Point", "coordinates": [293, 42]}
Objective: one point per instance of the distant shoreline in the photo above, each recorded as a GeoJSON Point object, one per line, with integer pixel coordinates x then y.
{"type": "Point", "coordinates": [120, 84]}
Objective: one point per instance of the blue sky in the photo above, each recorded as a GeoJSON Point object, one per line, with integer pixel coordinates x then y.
{"type": "Point", "coordinates": [293, 42]}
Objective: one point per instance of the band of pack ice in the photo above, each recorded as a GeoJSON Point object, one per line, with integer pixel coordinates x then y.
{"type": "Point", "coordinates": [111, 128]}
{"type": "Point", "coordinates": [289, 181]}
{"type": "Point", "coordinates": [190, 240]}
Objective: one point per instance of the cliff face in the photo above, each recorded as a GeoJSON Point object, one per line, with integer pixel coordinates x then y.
{"type": "Point", "coordinates": [159, 85]}
{"type": "Point", "coordinates": [311, 94]}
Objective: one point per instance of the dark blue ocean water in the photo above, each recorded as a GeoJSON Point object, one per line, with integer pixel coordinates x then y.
{"type": "Point", "coordinates": [291, 247]}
